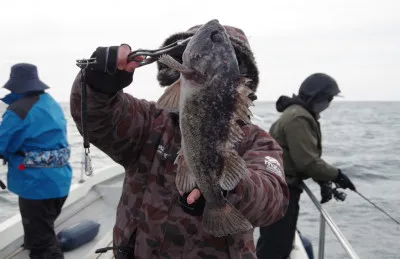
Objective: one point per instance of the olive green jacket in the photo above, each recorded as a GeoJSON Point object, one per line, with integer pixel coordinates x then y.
{"type": "Point", "coordinates": [299, 135]}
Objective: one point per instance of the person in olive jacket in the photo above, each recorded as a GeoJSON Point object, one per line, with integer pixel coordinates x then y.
{"type": "Point", "coordinates": [298, 132]}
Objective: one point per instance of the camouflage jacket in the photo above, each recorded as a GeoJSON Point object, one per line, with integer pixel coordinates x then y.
{"type": "Point", "coordinates": [145, 140]}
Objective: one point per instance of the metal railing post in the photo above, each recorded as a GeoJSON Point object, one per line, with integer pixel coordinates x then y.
{"type": "Point", "coordinates": [325, 218]}
{"type": "Point", "coordinates": [321, 247]}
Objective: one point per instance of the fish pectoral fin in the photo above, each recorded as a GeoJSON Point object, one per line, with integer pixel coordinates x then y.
{"type": "Point", "coordinates": [225, 220]}
{"type": "Point", "coordinates": [184, 180]}
{"type": "Point", "coordinates": [233, 171]}
{"type": "Point", "coordinates": [172, 63]}
{"type": "Point", "coordinates": [170, 97]}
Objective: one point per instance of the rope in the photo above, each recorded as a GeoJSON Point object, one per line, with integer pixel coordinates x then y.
{"type": "Point", "coordinates": [86, 144]}
{"type": "Point", "coordinates": [86, 163]}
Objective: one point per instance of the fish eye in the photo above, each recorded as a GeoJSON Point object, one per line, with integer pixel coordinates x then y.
{"type": "Point", "coordinates": [216, 36]}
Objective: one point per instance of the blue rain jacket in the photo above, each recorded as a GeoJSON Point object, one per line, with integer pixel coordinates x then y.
{"type": "Point", "coordinates": [35, 124]}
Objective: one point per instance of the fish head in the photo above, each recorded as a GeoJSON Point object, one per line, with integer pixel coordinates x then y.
{"type": "Point", "coordinates": [210, 54]}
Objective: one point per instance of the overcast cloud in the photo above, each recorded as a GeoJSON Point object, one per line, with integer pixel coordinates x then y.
{"type": "Point", "coordinates": [357, 42]}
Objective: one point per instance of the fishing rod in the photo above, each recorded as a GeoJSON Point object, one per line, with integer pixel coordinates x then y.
{"type": "Point", "coordinates": [341, 196]}
{"type": "Point", "coordinates": [376, 206]}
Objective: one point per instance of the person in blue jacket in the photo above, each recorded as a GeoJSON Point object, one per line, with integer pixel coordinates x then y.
{"type": "Point", "coordinates": [33, 142]}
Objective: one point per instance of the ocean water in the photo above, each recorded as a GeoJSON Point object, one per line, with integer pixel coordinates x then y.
{"type": "Point", "coordinates": [361, 138]}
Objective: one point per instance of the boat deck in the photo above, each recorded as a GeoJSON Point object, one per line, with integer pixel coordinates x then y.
{"type": "Point", "coordinates": [99, 205]}
{"type": "Point", "coordinates": [96, 200]}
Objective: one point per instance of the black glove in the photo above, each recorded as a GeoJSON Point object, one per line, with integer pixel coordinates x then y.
{"type": "Point", "coordinates": [326, 191]}
{"type": "Point", "coordinates": [104, 76]}
{"type": "Point", "coordinates": [344, 182]}
{"type": "Point", "coordinates": [194, 209]}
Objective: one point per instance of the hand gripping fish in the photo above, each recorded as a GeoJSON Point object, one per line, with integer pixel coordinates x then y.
{"type": "Point", "coordinates": [213, 96]}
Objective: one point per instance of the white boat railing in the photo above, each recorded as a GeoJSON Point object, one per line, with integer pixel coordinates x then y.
{"type": "Point", "coordinates": [326, 219]}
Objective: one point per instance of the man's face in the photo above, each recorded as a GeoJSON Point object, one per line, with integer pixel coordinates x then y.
{"type": "Point", "coordinates": [322, 105]}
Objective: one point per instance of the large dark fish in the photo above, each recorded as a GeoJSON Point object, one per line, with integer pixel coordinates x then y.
{"type": "Point", "coordinates": [213, 96]}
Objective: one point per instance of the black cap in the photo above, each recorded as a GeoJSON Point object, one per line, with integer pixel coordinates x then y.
{"type": "Point", "coordinates": [318, 85]}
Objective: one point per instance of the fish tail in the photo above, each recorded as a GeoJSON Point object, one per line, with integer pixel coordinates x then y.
{"type": "Point", "coordinates": [225, 220]}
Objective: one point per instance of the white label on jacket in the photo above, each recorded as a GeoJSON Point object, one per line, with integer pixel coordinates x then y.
{"type": "Point", "coordinates": [273, 165]}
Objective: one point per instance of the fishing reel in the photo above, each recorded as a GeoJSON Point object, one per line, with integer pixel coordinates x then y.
{"type": "Point", "coordinates": [328, 191]}
{"type": "Point", "coordinates": [338, 195]}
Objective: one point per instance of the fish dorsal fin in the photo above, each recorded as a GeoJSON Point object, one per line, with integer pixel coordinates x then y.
{"type": "Point", "coordinates": [235, 167]}
{"type": "Point", "coordinates": [243, 102]}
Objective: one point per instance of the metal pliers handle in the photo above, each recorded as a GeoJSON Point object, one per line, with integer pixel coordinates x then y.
{"type": "Point", "coordinates": [150, 56]}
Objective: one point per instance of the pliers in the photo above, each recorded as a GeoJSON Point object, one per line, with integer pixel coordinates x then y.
{"type": "Point", "coordinates": [150, 56]}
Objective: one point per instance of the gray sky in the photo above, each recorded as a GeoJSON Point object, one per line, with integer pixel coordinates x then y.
{"type": "Point", "coordinates": [355, 41]}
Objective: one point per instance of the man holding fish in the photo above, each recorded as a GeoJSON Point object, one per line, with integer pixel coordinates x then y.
{"type": "Point", "coordinates": [199, 175]}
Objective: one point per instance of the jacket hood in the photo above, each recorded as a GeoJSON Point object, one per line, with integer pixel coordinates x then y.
{"type": "Point", "coordinates": [166, 76]}
{"type": "Point", "coordinates": [284, 102]}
